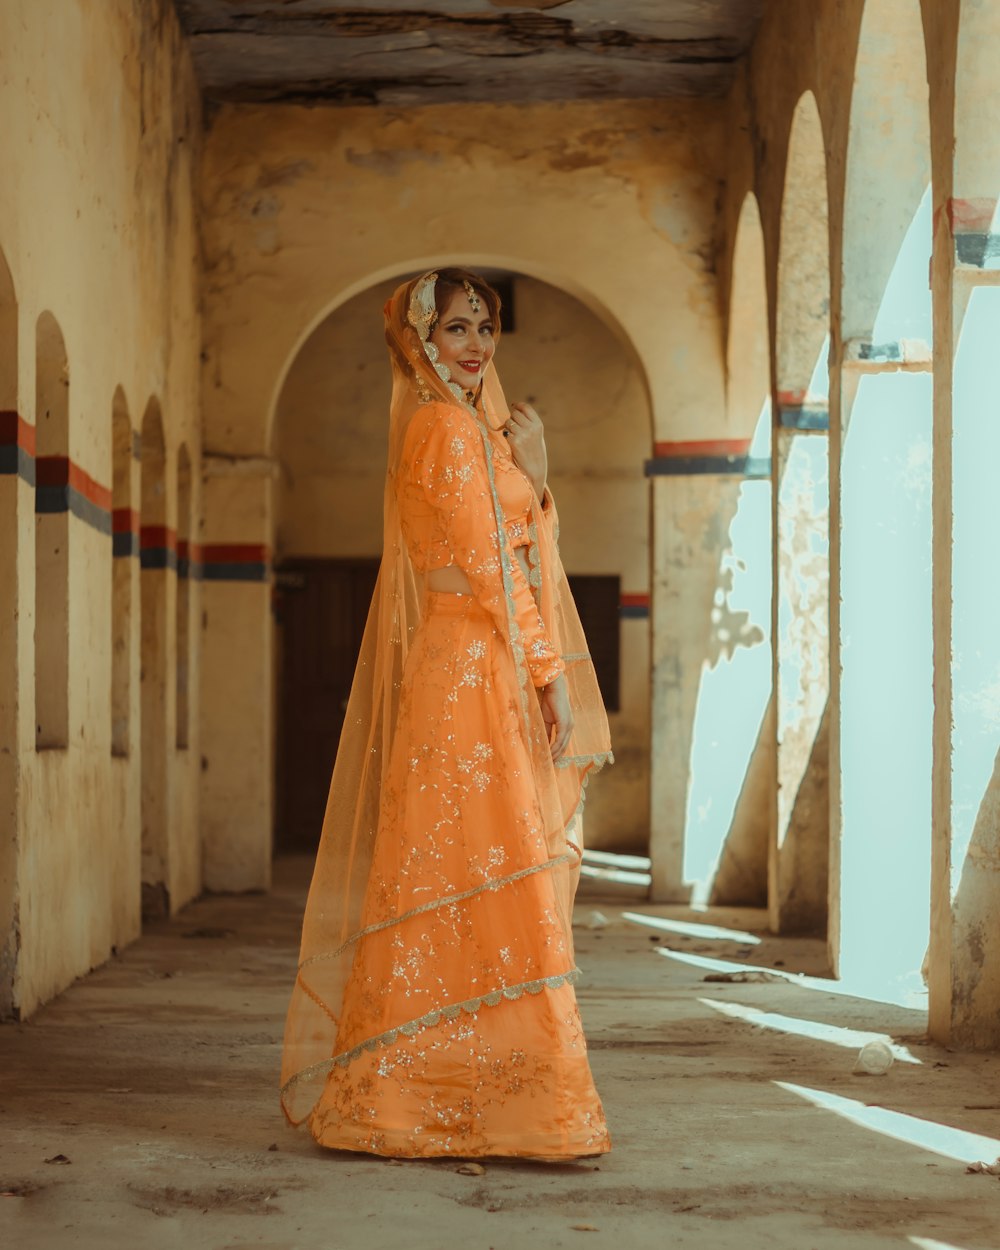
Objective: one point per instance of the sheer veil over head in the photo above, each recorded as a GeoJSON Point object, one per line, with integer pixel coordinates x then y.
{"type": "Point", "coordinates": [335, 919]}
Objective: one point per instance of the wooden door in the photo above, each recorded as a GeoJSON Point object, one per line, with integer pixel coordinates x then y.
{"type": "Point", "coordinates": [320, 608]}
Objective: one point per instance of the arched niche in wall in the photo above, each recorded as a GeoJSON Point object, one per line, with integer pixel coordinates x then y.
{"type": "Point", "coordinates": [157, 553]}
{"type": "Point", "coordinates": [124, 550]}
{"type": "Point", "coordinates": [52, 489]}
{"type": "Point", "coordinates": [974, 212]}
{"type": "Point", "coordinates": [888, 157]}
{"type": "Point", "coordinates": [330, 444]}
{"type": "Point", "coordinates": [732, 758]}
{"type": "Point", "coordinates": [884, 618]}
{"type": "Point", "coordinates": [16, 464]}
{"type": "Point", "coordinates": [803, 308]}
{"type": "Point", "coordinates": [965, 977]}
{"type": "Point", "coordinates": [748, 349]}
{"type": "Point", "coordinates": [8, 345]}
{"type": "Point", "coordinates": [800, 477]}
{"type": "Point", "coordinates": [183, 601]}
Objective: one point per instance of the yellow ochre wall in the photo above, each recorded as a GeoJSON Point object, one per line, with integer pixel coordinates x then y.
{"type": "Point", "coordinates": [101, 128]}
{"type": "Point", "coordinates": [608, 206]}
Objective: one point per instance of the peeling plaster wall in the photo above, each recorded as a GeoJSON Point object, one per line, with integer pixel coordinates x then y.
{"type": "Point", "coordinates": [101, 130]}
{"type": "Point", "coordinates": [613, 204]}
{"type": "Point", "coordinates": [330, 444]}
{"type": "Point", "coordinates": [404, 53]}
{"type": "Point", "coordinates": [304, 208]}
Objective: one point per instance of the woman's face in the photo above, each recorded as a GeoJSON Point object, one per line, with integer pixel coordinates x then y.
{"type": "Point", "coordinates": [464, 340]}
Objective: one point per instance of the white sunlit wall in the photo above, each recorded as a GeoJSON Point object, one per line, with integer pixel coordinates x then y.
{"type": "Point", "coordinates": [975, 610]}
{"type": "Point", "coordinates": [735, 684]}
{"type": "Point", "coordinates": [886, 641]}
{"type": "Point", "coordinates": [802, 652]}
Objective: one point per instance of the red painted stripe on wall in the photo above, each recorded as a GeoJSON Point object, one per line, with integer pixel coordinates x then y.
{"type": "Point", "coordinates": [973, 216]}
{"type": "Point", "coordinates": [636, 599]}
{"type": "Point", "coordinates": [124, 521]}
{"type": "Point", "coordinates": [61, 471]}
{"type": "Point", "coordinates": [16, 432]}
{"type": "Point", "coordinates": [157, 536]}
{"type": "Point", "coordinates": [189, 551]}
{"type": "Point", "coordinates": [792, 399]}
{"type": "Point", "coordinates": [235, 553]}
{"type": "Point", "coordinates": [706, 447]}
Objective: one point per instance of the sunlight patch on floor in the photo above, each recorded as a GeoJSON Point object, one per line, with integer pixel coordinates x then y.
{"type": "Point", "coordinates": [616, 875]}
{"type": "Point", "coordinates": [850, 1039]}
{"type": "Point", "coordinates": [939, 1139]}
{"type": "Point", "coordinates": [613, 859]}
{"type": "Point", "coordinates": [709, 932]}
{"type": "Point", "coordinates": [925, 1243]}
{"type": "Point", "coordinates": [893, 994]}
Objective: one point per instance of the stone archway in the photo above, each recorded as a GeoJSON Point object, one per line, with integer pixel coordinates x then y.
{"type": "Point", "coordinates": [800, 485]}
{"type": "Point", "coordinates": [156, 555]}
{"type": "Point", "coordinates": [965, 949]}
{"type": "Point", "coordinates": [329, 443]}
{"type": "Point", "coordinates": [743, 771]}
{"type": "Point", "coordinates": [881, 462]}
{"type": "Point", "coordinates": [16, 471]}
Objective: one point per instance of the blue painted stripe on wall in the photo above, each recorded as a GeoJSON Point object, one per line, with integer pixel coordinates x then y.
{"type": "Point", "coordinates": [691, 466]}
{"type": "Point", "coordinates": [157, 558]}
{"type": "Point", "coordinates": [125, 543]}
{"type": "Point", "coordinates": [16, 462]}
{"type": "Point", "coordinates": [804, 417]}
{"type": "Point", "coordinates": [235, 572]}
{"type": "Point", "coordinates": [976, 248]}
{"type": "Point", "coordinates": [51, 500]}
{"type": "Point", "coordinates": [634, 612]}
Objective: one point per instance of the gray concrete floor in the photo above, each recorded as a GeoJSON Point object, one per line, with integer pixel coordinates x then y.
{"type": "Point", "coordinates": [140, 1110]}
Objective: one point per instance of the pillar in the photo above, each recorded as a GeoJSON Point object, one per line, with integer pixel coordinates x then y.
{"type": "Point", "coordinates": [236, 666]}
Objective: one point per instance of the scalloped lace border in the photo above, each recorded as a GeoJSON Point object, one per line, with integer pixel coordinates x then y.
{"type": "Point", "coordinates": [509, 993]}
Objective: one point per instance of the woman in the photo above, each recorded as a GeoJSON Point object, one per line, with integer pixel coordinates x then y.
{"type": "Point", "coordinates": [434, 1012]}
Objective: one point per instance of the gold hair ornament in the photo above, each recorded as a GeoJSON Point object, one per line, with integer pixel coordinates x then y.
{"type": "Point", "coordinates": [470, 291]}
{"type": "Point", "coordinates": [422, 315]}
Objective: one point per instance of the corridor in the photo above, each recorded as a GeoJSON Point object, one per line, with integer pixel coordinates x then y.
{"type": "Point", "coordinates": [748, 257]}
{"type": "Point", "coordinates": [140, 1107]}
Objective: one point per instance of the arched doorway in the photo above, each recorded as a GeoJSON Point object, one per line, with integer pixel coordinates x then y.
{"type": "Point", "coordinates": [52, 537]}
{"type": "Point", "coordinates": [732, 761]}
{"type": "Point", "coordinates": [156, 554]}
{"type": "Point", "coordinates": [884, 639]}
{"type": "Point", "coordinates": [965, 947]}
{"type": "Point", "coordinates": [801, 518]}
{"type": "Point", "coordinates": [16, 471]}
{"type": "Point", "coordinates": [330, 444]}
{"type": "Point", "coordinates": [122, 576]}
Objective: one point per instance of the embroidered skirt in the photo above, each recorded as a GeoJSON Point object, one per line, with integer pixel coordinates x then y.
{"type": "Point", "coordinates": [460, 1033]}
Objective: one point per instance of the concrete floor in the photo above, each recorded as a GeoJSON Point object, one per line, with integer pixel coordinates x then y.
{"type": "Point", "coordinates": [140, 1110]}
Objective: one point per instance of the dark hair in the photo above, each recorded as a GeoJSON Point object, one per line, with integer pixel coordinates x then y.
{"type": "Point", "coordinates": [451, 280]}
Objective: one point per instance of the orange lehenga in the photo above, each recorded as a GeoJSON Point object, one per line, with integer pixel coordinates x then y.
{"type": "Point", "coordinates": [434, 1012]}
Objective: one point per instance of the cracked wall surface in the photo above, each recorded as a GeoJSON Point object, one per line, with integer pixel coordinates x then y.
{"type": "Point", "coordinates": [399, 54]}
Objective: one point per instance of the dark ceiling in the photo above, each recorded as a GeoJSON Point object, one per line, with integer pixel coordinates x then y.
{"type": "Point", "coordinates": [445, 51]}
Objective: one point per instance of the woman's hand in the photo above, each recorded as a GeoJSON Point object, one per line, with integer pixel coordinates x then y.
{"type": "Point", "coordinates": [557, 715]}
{"type": "Point", "coordinates": [526, 436]}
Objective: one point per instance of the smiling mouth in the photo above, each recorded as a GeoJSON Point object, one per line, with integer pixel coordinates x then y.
{"type": "Point", "coordinates": [470, 366]}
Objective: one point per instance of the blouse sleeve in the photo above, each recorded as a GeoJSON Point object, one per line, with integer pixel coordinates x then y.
{"type": "Point", "coordinates": [449, 466]}
{"type": "Point", "coordinates": [549, 515]}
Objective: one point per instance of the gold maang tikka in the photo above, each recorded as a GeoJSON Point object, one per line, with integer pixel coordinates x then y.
{"type": "Point", "coordinates": [470, 290]}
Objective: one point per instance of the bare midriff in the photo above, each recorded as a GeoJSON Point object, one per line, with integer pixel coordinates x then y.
{"type": "Point", "coordinates": [451, 579]}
